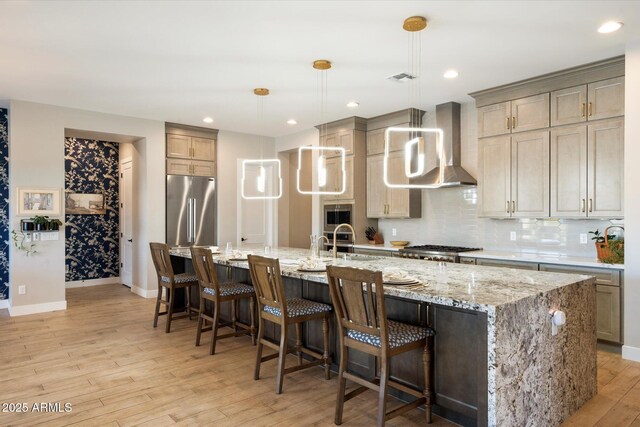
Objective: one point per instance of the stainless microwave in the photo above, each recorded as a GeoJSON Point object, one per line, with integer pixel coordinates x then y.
{"type": "Point", "coordinates": [337, 214]}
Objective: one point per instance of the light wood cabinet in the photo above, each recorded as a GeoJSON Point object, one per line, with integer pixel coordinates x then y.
{"type": "Point", "coordinates": [200, 168]}
{"type": "Point", "coordinates": [341, 139]}
{"type": "Point", "coordinates": [335, 177]}
{"type": "Point", "coordinates": [194, 148]}
{"type": "Point", "coordinates": [608, 298]}
{"type": "Point", "coordinates": [514, 175]}
{"type": "Point", "coordinates": [190, 167]}
{"type": "Point", "coordinates": [587, 178]}
{"type": "Point", "coordinates": [178, 167]}
{"type": "Point", "coordinates": [593, 101]}
{"type": "Point", "coordinates": [382, 201]}
{"type": "Point", "coordinates": [375, 142]}
{"type": "Point", "coordinates": [519, 115]}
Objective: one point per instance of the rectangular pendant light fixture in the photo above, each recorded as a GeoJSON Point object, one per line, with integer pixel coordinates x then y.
{"type": "Point", "coordinates": [261, 179]}
{"type": "Point", "coordinates": [320, 176]}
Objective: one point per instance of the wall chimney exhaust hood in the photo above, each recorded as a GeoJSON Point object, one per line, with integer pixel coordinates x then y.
{"type": "Point", "coordinates": [449, 172]}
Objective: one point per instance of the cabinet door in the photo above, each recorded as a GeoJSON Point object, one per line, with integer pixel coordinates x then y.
{"type": "Point", "coordinates": [203, 149]}
{"type": "Point", "coordinates": [178, 167]}
{"type": "Point", "coordinates": [530, 174]}
{"type": "Point", "coordinates": [330, 140]}
{"type": "Point", "coordinates": [494, 119]}
{"type": "Point", "coordinates": [376, 190]}
{"type": "Point", "coordinates": [494, 180]}
{"type": "Point", "coordinates": [397, 198]}
{"type": "Point", "coordinates": [569, 106]}
{"type": "Point", "coordinates": [606, 169]}
{"type": "Point", "coordinates": [530, 113]}
{"type": "Point", "coordinates": [345, 140]}
{"type": "Point", "coordinates": [569, 172]}
{"type": "Point", "coordinates": [375, 142]}
{"type": "Point", "coordinates": [608, 309]}
{"type": "Point", "coordinates": [334, 178]}
{"type": "Point", "coordinates": [178, 146]}
{"type": "Point", "coordinates": [606, 99]}
{"type": "Point", "coordinates": [201, 168]}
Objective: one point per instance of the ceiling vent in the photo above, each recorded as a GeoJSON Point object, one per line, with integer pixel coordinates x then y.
{"type": "Point", "coordinates": [401, 77]}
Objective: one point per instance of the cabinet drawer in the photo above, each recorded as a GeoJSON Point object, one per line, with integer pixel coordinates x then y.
{"type": "Point", "coordinates": [521, 265]}
{"type": "Point", "coordinates": [466, 260]}
{"type": "Point", "coordinates": [603, 276]}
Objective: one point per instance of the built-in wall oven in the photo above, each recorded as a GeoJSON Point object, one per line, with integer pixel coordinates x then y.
{"type": "Point", "coordinates": [335, 215]}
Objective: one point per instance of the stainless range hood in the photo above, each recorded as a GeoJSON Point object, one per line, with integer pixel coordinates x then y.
{"type": "Point", "coordinates": [449, 173]}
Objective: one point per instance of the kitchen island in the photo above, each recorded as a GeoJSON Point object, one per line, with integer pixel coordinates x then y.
{"type": "Point", "coordinates": [496, 361]}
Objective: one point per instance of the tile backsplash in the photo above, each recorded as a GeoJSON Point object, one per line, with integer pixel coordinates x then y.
{"type": "Point", "coordinates": [449, 216]}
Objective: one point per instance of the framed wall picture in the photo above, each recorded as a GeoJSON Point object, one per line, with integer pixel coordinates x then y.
{"type": "Point", "coordinates": [84, 204]}
{"type": "Point", "coordinates": [38, 201]}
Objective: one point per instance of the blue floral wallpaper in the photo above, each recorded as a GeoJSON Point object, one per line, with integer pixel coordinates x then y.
{"type": "Point", "coordinates": [92, 243]}
{"type": "Point", "coordinates": [4, 204]}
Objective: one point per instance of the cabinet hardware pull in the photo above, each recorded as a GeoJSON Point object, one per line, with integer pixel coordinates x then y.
{"type": "Point", "coordinates": [590, 205]}
{"type": "Point", "coordinates": [513, 122]}
{"type": "Point", "coordinates": [507, 122]}
{"type": "Point", "coordinates": [582, 205]}
{"type": "Point", "coordinates": [582, 110]}
{"type": "Point", "coordinates": [508, 211]}
{"type": "Point", "coordinates": [590, 109]}
{"type": "Point", "coordinates": [513, 207]}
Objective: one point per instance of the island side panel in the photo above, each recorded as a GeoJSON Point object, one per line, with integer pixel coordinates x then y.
{"type": "Point", "coordinates": [542, 379]}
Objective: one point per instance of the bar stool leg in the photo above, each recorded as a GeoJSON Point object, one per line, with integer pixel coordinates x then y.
{"type": "Point", "coordinates": [158, 298]}
{"type": "Point", "coordinates": [282, 357]}
{"type": "Point", "coordinates": [342, 383]}
{"type": "Point", "coordinates": [426, 360]}
{"type": "Point", "coordinates": [200, 321]}
{"type": "Point", "coordinates": [325, 355]}
{"type": "Point", "coordinates": [171, 293]}
{"type": "Point", "coordinates": [188, 291]}
{"type": "Point", "coordinates": [252, 314]}
{"type": "Point", "coordinates": [214, 327]}
{"type": "Point", "coordinates": [299, 342]}
{"type": "Point", "coordinates": [382, 396]}
{"type": "Point", "coordinates": [256, 374]}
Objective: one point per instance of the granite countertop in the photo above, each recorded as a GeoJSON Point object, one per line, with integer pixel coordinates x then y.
{"type": "Point", "coordinates": [479, 288]}
{"type": "Point", "coordinates": [544, 258]}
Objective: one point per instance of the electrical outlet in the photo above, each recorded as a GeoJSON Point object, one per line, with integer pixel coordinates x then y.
{"type": "Point", "coordinates": [27, 237]}
{"type": "Point", "coordinates": [36, 237]}
{"type": "Point", "coordinates": [394, 232]}
{"type": "Point", "coordinates": [22, 289]}
{"type": "Point", "coordinates": [513, 236]}
{"type": "Point", "coordinates": [583, 238]}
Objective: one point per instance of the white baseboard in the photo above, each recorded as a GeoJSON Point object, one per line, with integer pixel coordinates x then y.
{"type": "Point", "coordinates": [144, 293]}
{"type": "Point", "coordinates": [22, 310]}
{"type": "Point", "coordinates": [631, 353]}
{"type": "Point", "coordinates": [93, 282]}
{"type": "Point", "coordinates": [4, 303]}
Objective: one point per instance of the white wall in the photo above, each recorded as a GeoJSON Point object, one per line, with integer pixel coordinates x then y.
{"type": "Point", "coordinates": [37, 160]}
{"type": "Point", "coordinates": [631, 349]}
{"type": "Point", "coordinates": [231, 147]}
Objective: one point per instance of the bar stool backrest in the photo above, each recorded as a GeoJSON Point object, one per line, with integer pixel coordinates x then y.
{"type": "Point", "coordinates": [205, 269]}
{"type": "Point", "coordinates": [353, 299]}
{"type": "Point", "coordinates": [161, 260]}
{"type": "Point", "coordinates": [267, 282]}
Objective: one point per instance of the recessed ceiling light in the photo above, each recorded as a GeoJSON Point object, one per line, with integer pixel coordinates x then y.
{"type": "Point", "coordinates": [352, 104]}
{"type": "Point", "coordinates": [450, 74]}
{"type": "Point", "coordinates": [610, 27]}
{"type": "Point", "coordinates": [292, 122]}
{"type": "Point", "coordinates": [207, 120]}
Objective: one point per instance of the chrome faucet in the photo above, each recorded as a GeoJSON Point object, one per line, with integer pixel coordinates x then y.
{"type": "Point", "coordinates": [335, 248]}
{"type": "Point", "coordinates": [320, 240]}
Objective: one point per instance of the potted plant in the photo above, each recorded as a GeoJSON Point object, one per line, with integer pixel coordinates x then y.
{"type": "Point", "coordinates": [41, 222]}
{"type": "Point", "coordinates": [55, 224]}
{"type": "Point", "coordinates": [610, 247]}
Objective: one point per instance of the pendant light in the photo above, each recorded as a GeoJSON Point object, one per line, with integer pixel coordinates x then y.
{"type": "Point", "coordinates": [319, 152]}
{"type": "Point", "coordinates": [261, 178]}
{"type": "Point", "coordinates": [415, 147]}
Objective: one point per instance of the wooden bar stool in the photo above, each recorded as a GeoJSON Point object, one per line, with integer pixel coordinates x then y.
{"type": "Point", "coordinates": [217, 293]}
{"type": "Point", "coordinates": [169, 281]}
{"type": "Point", "coordinates": [273, 306]}
{"type": "Point", "coordinates": [363, 325]}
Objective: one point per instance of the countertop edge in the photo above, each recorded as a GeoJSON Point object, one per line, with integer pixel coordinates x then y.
{"type": "Point", "coordinates": [541, 259]}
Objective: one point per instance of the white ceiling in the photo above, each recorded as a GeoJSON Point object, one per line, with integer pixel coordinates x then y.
{"type": "Point", "coordinates": [182, 61]}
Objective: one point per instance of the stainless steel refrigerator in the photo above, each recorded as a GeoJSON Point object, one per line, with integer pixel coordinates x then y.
{"type": "Point", "coordinates": [191, 211]}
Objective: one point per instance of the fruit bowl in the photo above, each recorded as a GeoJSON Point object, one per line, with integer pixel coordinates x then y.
{"type": "Point", "coordinates": [399, 242]}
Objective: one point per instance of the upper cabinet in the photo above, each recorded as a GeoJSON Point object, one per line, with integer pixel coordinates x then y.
{"type": "Point", "coordinates": [342, 139]}
{"type": "Point", "coordinates": [519, 115]}
{"type": "Point", "coordinates": [336, 178]}
{"type": "Point", "coordinates": [190, 150]}
{"type": "Point", "coordinates": [593, 101]}
{"type": "Point", "coordinates": [570, 161]}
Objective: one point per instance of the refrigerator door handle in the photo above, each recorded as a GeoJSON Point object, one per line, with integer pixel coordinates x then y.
{"type": "Point", "coordinates": [189, 217]}
{"type": "Point", "coordinates": [194, 219]}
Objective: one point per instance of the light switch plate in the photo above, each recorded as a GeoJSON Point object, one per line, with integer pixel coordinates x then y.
{"type": "Point", "coordinates": [22, 289]}
{"type": "Point", "coordinates": [394, 232]}
{"type": "Point", "coordinates": [36, 237]}
{"type": "Point", "coordinates": [513, 236]}
{"type": "Point", "coordinates": [583, 238]}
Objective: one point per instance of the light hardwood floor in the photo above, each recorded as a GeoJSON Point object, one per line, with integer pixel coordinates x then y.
{"type": "Point", "coordinates": [103, 357]}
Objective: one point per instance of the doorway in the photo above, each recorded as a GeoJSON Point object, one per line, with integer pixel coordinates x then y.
{"type": "Point", "coordinates": [126, 222]}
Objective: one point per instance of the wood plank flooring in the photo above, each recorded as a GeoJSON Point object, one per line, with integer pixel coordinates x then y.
{"type": "Point", "coordinates": [103, 358]}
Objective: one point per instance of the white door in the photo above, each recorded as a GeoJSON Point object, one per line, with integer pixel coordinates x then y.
{"type": "Point", "coordinates": [126, 223]}
{"type": "Point", "coordinates": [254, 215]}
